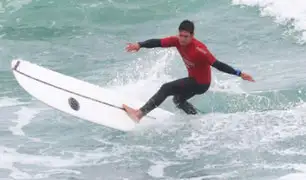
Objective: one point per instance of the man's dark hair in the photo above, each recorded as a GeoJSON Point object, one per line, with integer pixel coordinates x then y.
{"type": "Point", "coordinates": [187, 25]}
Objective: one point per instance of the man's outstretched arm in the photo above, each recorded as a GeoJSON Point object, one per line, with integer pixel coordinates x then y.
{"type": "Point", "coordinates": [225, 68]}
{"type": "Point", "coordinates": [150, 43]}
{"type": "Point", "coordinates": [230, 70]}
{"type": "Point", "coordinates": [208, 58]}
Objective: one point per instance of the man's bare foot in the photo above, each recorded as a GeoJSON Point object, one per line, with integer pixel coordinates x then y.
{"type": "Point", "coordinates": [135, 115]}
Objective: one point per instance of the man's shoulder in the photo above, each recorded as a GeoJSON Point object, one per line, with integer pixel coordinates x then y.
{"type": "Point", "coordinates": [169, 41]}
{"type": "Point", "coordinates": [203, 52]}
{"type": "Point", "coordinates": [199, 43]}
{"type": "Point", "coordinates": [200, 47]}
{"type": "Point", "coordinates": [173, 37]}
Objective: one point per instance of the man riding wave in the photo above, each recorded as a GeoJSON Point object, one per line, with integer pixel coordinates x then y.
{"type": "Point", "coordinates": [198, 61]}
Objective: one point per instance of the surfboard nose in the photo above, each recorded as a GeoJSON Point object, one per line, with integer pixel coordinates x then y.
{"type": "Point", "coordinates": [15, 63]}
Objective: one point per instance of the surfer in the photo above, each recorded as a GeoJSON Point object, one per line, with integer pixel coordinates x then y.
{"type": "Point", "coordinates": [197, 59]}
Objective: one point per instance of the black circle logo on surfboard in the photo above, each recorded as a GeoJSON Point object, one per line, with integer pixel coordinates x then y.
{"type": "Point", "coordinates": [74, 104]}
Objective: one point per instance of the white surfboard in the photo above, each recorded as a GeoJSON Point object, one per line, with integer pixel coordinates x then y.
{"type": "Point", "coordinates": [79, 98]}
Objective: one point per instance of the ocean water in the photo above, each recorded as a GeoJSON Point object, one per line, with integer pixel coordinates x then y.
{"type": "Point", "coordinates": [252, 131]}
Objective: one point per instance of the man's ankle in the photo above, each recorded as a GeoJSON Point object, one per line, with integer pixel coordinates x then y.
{"type": "Point", "coordinates": [139, 113]}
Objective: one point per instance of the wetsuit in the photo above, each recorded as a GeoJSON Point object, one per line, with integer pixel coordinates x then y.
{"type": "Point", "coordinates": [198, 60]}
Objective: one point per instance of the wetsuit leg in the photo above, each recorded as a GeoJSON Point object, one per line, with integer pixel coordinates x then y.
{"type": "Point", "coordinates": [180, 100]}
{"type": "Point", "coordinates": [171, 88]}
{"type": "Point", "coordinates": [182, 89]}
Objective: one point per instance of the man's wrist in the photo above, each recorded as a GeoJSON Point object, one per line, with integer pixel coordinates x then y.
{"type": "Point", "coordinates": [238, 72]}
{"type": "Point", "coordinates": [140, 44]}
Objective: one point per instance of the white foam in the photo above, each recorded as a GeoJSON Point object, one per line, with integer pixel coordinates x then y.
{"type": "Point", "coordinates": [301, 168]}
{"type": "Point", "coordinates": [152, 75]}
{"type": "Point", "coordinates": [294, 176]}
{"type": "Point", "coordinates": [246, 131]}
{"type": "Point", "coordinates": [219, 176]}
{"type": "Point", "coordinates": [291, 12]}
{"type": "Point", "coordinates": [243, 130]}
{"type": "Point", "coordinates": [10, 156]}
{"type": "Point", "coordinates": [24, 116]}
{"type": "Point", "coordinates": [157, 170]}
{"type": "Point", "coordinates": [289, 152]}
{"type": "Point", "coordinates": [229, 86]}
{"type": "Point", "coordinates": [7, 102]}
{"type": "Point", "coordinates": [13, 5]}
{"type": "Point", "coordinates": [17, 174]}
{"type": "Point", "coordinates": [48, 173]}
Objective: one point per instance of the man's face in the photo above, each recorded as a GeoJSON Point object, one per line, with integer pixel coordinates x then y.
{"type": "Point", "coordinates": [185, 37]}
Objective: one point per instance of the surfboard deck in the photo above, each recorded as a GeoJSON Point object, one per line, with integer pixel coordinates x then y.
{"type": "Point", "coordinates": [79, 98]}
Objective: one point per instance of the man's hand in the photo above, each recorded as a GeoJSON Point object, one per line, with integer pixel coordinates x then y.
{"type": "Point", "coordinates": [132, 47]}
{"type": "Point", "coordinates": [245, 76]}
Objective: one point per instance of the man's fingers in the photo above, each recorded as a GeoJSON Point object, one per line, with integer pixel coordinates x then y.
{"type": "Point", "coordinates": [250, 79]}
{"type": "Point", "coordinates": [129, 47]}
{"type": "Point", "coordinates": [247, 77]}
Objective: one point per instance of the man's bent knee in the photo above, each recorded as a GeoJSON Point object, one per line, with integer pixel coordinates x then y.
{"type": "Point", "coordinates": [184, 105]}
{"type": "Point", "coordinates": [166, 88]}
{"type": "Point", "coordinates": [177, 100]}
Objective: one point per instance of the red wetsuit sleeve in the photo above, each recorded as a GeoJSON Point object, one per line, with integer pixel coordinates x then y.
{"type": "Point", "coordinates": [206, 56]}
{"type": "Point", "coordinates": [171, 41]}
